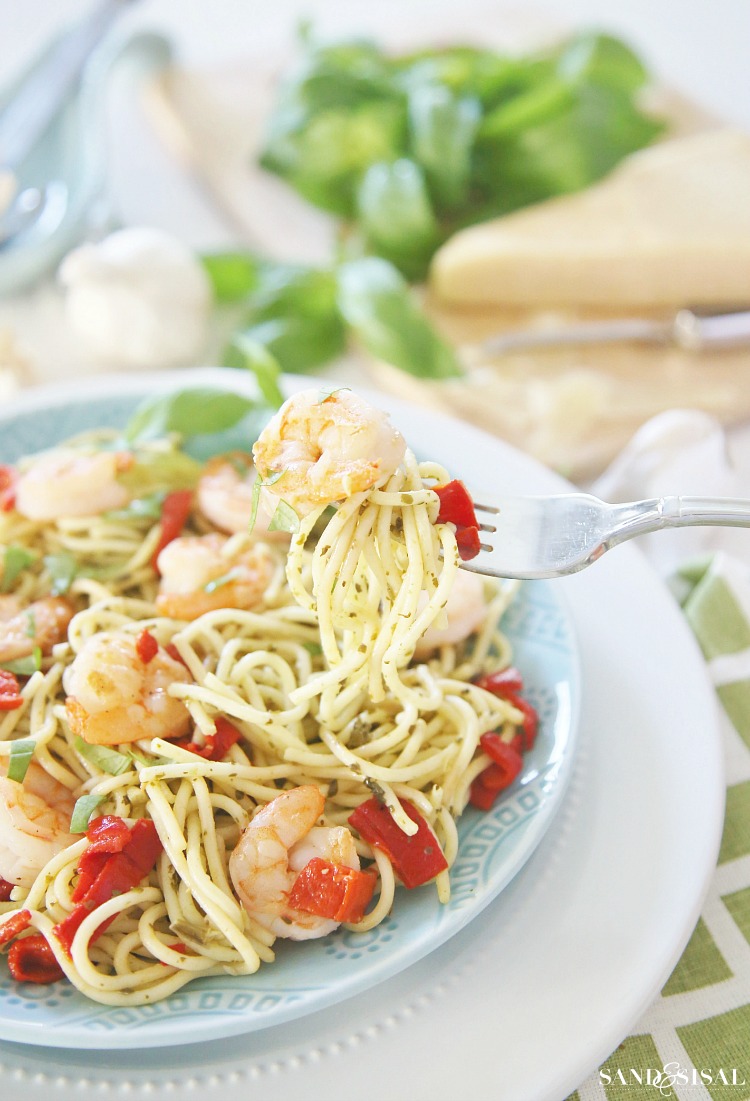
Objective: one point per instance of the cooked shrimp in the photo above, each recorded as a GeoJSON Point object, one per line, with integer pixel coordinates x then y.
{"type": "Point", "coordinates": [66, 482]}
{"type": "Point", "coordinates": [34, 824]}
{"type": "Point", "coordinates": [225, 496]}
{"type": "Point", "coordinates": [43, 623]}
{"type": "Point", "coordinates": [198, 576]}
{"type": "Point", "coordinates": [465, 611]}
{"type": "Point", "coordinates": [274, 848]}
{"type": "Point", "coordinates": [115, 696]}
{"type": "Point", "coordinates": [326, 449]}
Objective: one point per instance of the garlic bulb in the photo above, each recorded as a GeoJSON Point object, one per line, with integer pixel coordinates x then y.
{"type": "Point", "coordinates": [138, 299]}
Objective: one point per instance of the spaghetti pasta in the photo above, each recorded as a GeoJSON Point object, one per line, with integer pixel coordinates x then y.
{"type": "Point", "coordinates": [198, 715]}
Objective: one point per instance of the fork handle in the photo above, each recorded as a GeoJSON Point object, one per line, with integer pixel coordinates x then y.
{"type": "Point", "coordinates": [640, 517]}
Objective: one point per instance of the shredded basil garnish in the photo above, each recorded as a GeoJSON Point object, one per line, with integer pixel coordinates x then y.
{"type": "Point", "coordinates": [62, 568]}
{"type": "Point", "coordinates": [24, 667]}
{"type": "Point", "coordinates": [82, 811]}
{"type": "Point", "coordinates": [108, 760]}
{"type": "Point", "coordinates": [15, 561]}
{"type": "Point", "coordinates": [284, 519]}
{"type": "Point", "coordinates": [148, 506]}
{"type": "Point", "coordinates": [325, 393]}
{"type": "Point", "coordinates": [257, 487]}
{"type": "Point", "coordinates": [225, 579]}
{"type": "Point", "coordinates": [21, 753]}
{"type": "Point", "coordinates": [149, 762]}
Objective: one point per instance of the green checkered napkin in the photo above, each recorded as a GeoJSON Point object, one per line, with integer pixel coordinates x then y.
{"type": "Point", "coordinates": [699, 1027]}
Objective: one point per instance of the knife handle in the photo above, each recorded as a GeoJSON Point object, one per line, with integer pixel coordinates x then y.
{"type": "Point", "coordinates": [696, 333]}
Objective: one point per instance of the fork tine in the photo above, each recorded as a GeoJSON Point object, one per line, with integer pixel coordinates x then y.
{"type": "Point", "coordinates": [493, 511]}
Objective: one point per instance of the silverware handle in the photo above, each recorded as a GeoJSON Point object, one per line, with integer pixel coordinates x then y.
{"type": "Point", "coordinates": [719, 511]}
{"type": "Point", "coordinates": [696, 333]}
{"type": "Point", "coordinates": [641, 517]}
{"type": "Point", "coordinates": [39, 97]}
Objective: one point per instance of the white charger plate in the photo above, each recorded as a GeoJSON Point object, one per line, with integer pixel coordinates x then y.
{"type": "Point", "coordinates": [540, 987]}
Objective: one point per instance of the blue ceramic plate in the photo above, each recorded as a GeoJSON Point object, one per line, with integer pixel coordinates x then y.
{"type": "Point", "coordinates": [494, 846]}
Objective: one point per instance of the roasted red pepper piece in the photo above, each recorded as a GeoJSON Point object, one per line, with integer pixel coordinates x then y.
{"type": "Point", "coordinates": [106, 835]}
{"type": "Point", "coordinates": [10, 693]}
{"type": "Point", "coordinates": [457, 507]}
{"type": "Point", "coordinates": [506, 765]}
{"type": "Point", "coordinates": [530, 724]}
{"type": "Point", "coordinates": [332, 890]}
{"type": "Point", "coordinates": [416, 859]}
{"type": "Point", "coordinates": [173, 652]}
{"type": "Point", "coordinates": [501, 682]}
{"type": "Point", "coordinates": [32, 960]}
{"type": "Point", "coordinates": [14, 925]}
{"type": "Point", "coordinates": [146, 647]}
{"type": "Point", "coordinates": [8, 479]}
{"type": "Point", "coordinates": [507, 684]}
{"type": "Point", "coordinates": [506, 759]}
{"type": "Point", "coordinates": [216, 746]}
{"type": "Point", "coordinates": [468, 542]}
{"type": "Point", "coordinates": [480, 796]}
{"type": "Point", "coordinates": [5, 890]}
{"type": "Point", "coordinates": [175, 510]}
{"type": "Point", "coordinates": [120, 873]}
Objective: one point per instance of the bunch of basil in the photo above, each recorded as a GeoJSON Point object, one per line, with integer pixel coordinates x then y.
{"type": "Point", "coordinates": [405, 150]}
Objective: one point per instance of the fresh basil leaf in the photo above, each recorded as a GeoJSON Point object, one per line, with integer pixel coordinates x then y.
{"type": "Point", "coordinates": [62, 568]}
{"type": "Point", "coordinates": [443, 127]}
{"type": "Point", "coordinates": [342, 75]}
{"type": "Point", "coordinates": [82, 811]}
{"type": "Point", "coordinates": [188, 413]}
{"type": "Point", "coordinates": [248, 354]}
{"type": "Point", "coordinates": [108, 760]}
{"type": "Point", "coordinates": [284, 519]}
{"type": "Point", "coordinates": [534, 107]}
{"type": "Point", "coordinates": [376, 302]}
{"type": "Point", "coordinates": [313, 648]}
{"type": "Point", "coordinates": [324, 154]}
{"type": "Point", "coordinates": [233, 275]}
{"type": "Point", "coordinates": [602, 59]}
{"type": "Point", "coordinates": [288, 290]}
{"type": "Point", "coordinates": [21, 753]}
{"type": "Point", "coordinates": [567, 152]}
{"type": "Point", "coordinates": [293, 325]}
{"type": "Point", "coordinates": [295, 344]}
{"type": "Point", "coordinates": [396, 215]}
{"type": "Point", "coordinates": [24, 667]}
{"type": "Point", "coordinates": [15, 561]}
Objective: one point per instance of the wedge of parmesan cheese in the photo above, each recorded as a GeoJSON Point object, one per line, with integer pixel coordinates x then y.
{"type": "Point", "coordinates": [669, 227]}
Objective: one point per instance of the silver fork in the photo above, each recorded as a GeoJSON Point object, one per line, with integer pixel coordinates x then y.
{"type": "Point", "coordinates": [534, 537]}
